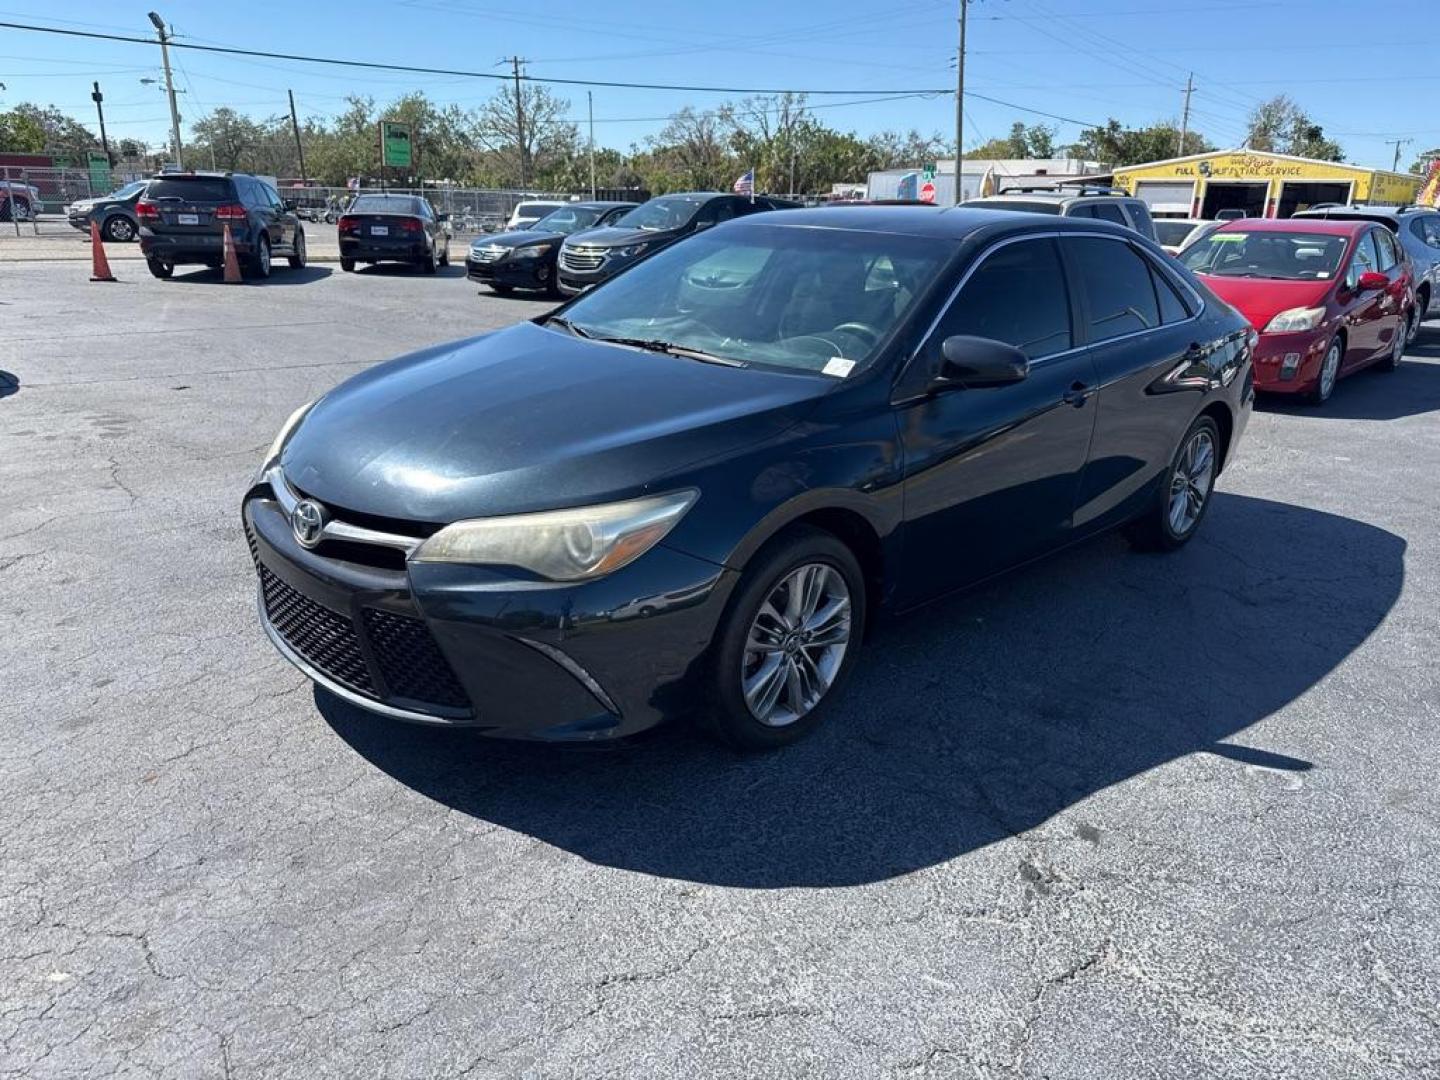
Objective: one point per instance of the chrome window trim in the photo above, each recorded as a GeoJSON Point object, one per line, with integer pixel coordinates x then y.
{"type": "Point", "coordinates": [1057, 234]}
{"type": "Point", "coordinates": [339, 530]}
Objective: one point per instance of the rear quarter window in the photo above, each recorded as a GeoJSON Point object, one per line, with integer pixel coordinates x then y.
{"type": "Point", "coordinates": [197, 189]}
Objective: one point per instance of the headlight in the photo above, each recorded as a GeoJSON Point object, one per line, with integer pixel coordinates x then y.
{"type": "Point", "coordinates": [633, 249]}
{"type": "Point", "coordinates": [532, 251]}
{"type": "Point", "coordinates": [1300, 318]}
{"type": "Point", "coordinates": [291, 423]}
{"type": "Point", "coordinates": [562, 545]}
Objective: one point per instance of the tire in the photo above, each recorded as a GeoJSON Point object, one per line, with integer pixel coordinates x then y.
{"type": "Point", "coordinates": [260, 261]}
{"type": "Point", "coordinates": [445, 255]}
{"type": "Point", "coordinates": [1404, 335]}
{"type": "Point", "coordinates": [118, 229]}
{"type": "Point", "coordinates": [782, 707]}
{"type": "Point", "coordinates": [297, 260]}
{"type": "Point", "coordinates": [427, 264]}
{"type": "Point", "coordinates": [502, 290]}
{"type": "Point", "coordinates": [160, 268]}
{"type": "Point", "coordinates": [347, 265]}
{"type": "Point", "coordinates": [1323, 389]}
{"type": "Point", "coordinates": [1161, 527]}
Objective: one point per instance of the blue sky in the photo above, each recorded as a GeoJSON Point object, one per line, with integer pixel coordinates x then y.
{"type": "Point", "coordinates": [1365, 79]}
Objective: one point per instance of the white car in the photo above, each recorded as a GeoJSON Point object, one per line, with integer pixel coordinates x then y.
{"type": "Point", "coordinates": [1176, 234]}
{"type": "Point", "coordinates": [531, 211]}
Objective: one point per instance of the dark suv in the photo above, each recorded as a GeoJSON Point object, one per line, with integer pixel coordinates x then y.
{"type": "Point", "coordinates": [183, 217]}
{"type": "Point", "coordinates": [591, 257]}
{"type": "Point", "coordinates": [1076, 201]}
{"type": "Point", "coordinates": [1418, 230]}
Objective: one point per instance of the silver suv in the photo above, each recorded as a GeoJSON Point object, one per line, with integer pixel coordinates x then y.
{"type": "Point", "coordinates": [1075, 200]}
{"type": "Point", "coordinates": [1418, 230]}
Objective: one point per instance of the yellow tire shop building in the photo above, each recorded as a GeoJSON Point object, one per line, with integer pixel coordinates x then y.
{"type": "Point", "coordinates": [1260, 184]}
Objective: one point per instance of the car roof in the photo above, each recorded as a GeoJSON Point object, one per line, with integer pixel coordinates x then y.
{"type": "Point", "coordinates": [602, 204]}
{"type": "Point", "coordinates": [953, 223]}
{"type": "Point", "coordinates": [1375, 213]}
{"type": "Point", "coordinates": [1323, 226]}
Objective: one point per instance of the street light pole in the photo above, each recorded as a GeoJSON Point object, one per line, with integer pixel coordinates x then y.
{"type": "Point", "coordinates": [960, 104]}
{"type": "Point", "coordinates": [590, 101]}
{"type": "Point", "coordinates": [159, 24]}
{"type": "Point", "coordinates": [98, 97]}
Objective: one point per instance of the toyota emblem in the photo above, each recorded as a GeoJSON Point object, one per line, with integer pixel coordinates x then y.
{"type": "Point", "coordinates": [308, 521]}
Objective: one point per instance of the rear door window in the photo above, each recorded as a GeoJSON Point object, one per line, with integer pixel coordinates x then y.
{"type": "Point", "coordinates": [194, 189]}
{"type": "Point", "coordinates": [1110, 212]}
{"type": "Point", "coordinates": [1018, 295]}
{"type": "Point", "coordinates": [1117, 282]}
{"type": "Point", "coordinates": [1143, 224]}
{"type": "Point", "coordinates": [1385, 247]}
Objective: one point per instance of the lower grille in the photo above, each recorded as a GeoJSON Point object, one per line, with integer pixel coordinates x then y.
{"type": "Point", "coordinates": [410, 661]}
{"type": "Point", "coordinates": [325, 639]}
{"type": "Point", "coordinates": [581, 260]}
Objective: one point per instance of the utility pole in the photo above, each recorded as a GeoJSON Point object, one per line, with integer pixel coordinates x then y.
{"type": "Point", "coordinates": [159, 24]}
{"type": "Point", "coordinates": [590, 102]}
{"type": "Point", "coordinates": [1185, 116]}
{"type": "Point", "coordinates": [1397, 143]}
{"type": "Point", "coordinates": [295, 127]}
{"type": "Point", "coordinates": [960, 104]}
{"type": "Point", "coordinates": [98, 98]}
{"type": "Point", "coordinates": [515, 62]}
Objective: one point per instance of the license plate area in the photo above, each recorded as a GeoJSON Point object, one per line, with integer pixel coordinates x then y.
{"type": "Point", "coordinates": [379, 230]}
{"type": "Point", "coordinates": [188, 219]}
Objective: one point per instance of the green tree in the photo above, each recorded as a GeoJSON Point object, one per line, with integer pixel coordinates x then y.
{"type": "Point", "coordinates": [62, 135]}
{"type": "Point", "coordinates": [1024, 142]}
{"type": "Point", "coordinates": [1116, 145]}
{"type": "Point", "coordinates": [20, 134]}
{"type": "Point", "coordinates": [1280, 126]}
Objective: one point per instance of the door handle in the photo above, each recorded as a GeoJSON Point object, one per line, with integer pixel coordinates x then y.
{"type": "Point", "coordinates": [1077, 394]}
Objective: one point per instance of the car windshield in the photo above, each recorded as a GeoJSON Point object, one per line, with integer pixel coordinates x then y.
{"type": "Point", "coordinates": [1172, 233]}
{"type": "Point", "coordinates": [383, 204]}
{"type": "Point", "coordinates": [1282, 256]}
{"type": "Point", "coordinates": [809, 299]}
{"type": "Point", "coordinates": [530, 211]}
{"type": "Point", "coordinates": [667, 212]}
{"type": "Point", "coordinates": [568, 219]}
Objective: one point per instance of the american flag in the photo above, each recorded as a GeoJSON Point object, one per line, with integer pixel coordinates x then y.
{"type": "Point", "coordinates": [746, 184]}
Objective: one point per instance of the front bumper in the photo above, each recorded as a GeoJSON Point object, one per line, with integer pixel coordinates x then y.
{"type": "Point", "coordinates": [1290, 363]}
{"type": "Point", "coordinates": [469, 646]}
{"type": "Point", "coordinates": [514, 273]}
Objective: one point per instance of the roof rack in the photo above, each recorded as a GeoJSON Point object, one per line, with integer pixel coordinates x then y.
{"type": "Point", "coordinates": [1067, 188]}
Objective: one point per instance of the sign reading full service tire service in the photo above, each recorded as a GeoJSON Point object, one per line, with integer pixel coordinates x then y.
{"type": "Point", "coordinates": [395, 144]}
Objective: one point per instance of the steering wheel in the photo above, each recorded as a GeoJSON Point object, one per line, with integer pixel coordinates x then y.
{"type": "Point", "coordinates": [859, 329]}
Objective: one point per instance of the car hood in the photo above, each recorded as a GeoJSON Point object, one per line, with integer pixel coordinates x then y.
{"type": "Point", "coordinates": [1261, 299]}
{"type": "Point", "coordinates": [614, 236]}
{"type": "Point", "coordinates": [528, 419]}
{"type": "Point", "coordinates": [517, 237]}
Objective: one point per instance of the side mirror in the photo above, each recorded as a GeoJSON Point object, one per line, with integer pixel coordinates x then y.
{"type": "Point", "coordinates": [700, 226]}
{"type": "Point", "coordinates": [1372, 281]}
{"type": "Point", "coordinates": [977, 361]}
{"type": "Point", "coordinates": [289, 204]}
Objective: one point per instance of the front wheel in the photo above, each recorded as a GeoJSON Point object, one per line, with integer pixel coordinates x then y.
{"type": "Point", "coordinates": [160, 267]}
{"type": "Point", "coordinates": [297, 260]}
{"type": "Point", "coordinates": [1184, 493]}
{"type": "Point", "coordinates": [1329, 374]}
{"type": "Point", "coordinates": [347, 265]}
{"type": "Point", "coordinates": [788, 641]}
{"type": "Point", "coordinates": [118, 229]}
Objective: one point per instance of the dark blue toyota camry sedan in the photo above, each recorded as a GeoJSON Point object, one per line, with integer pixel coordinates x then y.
{"type": "Point", "coordinates": [695, 485]}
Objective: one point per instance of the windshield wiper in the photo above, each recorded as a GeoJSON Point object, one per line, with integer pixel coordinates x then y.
{"type": "Point", "coordinates": [671, 349]}
{"type": "Point", "coordinates": [560, 320]}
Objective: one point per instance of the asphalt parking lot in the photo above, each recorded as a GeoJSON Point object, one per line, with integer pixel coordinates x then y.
{"type": "Point", "coordinates": [1115, 816]}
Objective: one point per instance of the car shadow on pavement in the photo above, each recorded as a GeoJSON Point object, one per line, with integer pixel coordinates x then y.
{"type": "Point", "coordinates": [966, 723]}
{"type": "Point", "coordinates": [395, 269]}
{"type": "Point", "coordinates": [279, 275]}
{"type": "Point", "coordinates": [1374, 394]}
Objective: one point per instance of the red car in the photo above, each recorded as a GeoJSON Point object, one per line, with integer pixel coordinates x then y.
{"type": "Point", "coordinates": [1328, 297]}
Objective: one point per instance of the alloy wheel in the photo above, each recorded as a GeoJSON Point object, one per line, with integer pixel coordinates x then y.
{"type": "Point", "coordinates": [796, 644]}
{"type": "Point", "coordinates": [1191, 482]}
{"type": "Point", "coordinates": [1403, 336]}
{"type": "Point", "coordinates": [264, 256]}
{"type": "Point", "coordinates": [1328, 370]}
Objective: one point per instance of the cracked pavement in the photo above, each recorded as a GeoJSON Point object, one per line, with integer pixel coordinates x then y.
{"type": "Point", "coordinates": [1116, 815]}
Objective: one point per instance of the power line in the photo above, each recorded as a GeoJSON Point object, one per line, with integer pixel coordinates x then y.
{"type": "Point", "coordinates": [417, 70]}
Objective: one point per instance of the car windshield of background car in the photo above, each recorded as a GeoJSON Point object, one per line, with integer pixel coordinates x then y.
{"type": "Point", "coordinates": [1275, 255]}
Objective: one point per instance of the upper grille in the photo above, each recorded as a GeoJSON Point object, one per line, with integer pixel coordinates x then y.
{"type": "Point", "coordinates": [489, 254]}
{"type": "Point", "coordinates": [324, 638]}
{"type": "Point", "coordinates": [581, 259]}
{"type": "Point", "coordinates": [410, 661]}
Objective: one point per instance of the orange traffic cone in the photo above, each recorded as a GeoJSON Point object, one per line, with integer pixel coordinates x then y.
{"type": "Point", "coordinates": [232, 264]}
{"type": "Point", "coordinates": [99, 265]}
